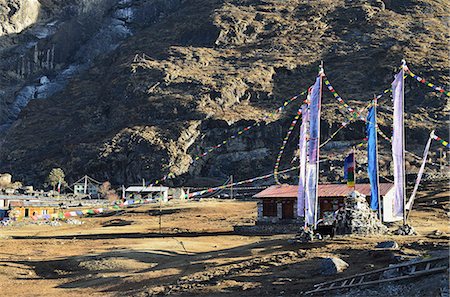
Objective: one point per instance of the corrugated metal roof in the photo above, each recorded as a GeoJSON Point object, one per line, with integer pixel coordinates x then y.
{"type": "Point", "coordinates": [325, 190]}
{"type": "Point", "coordinates": [146, 189]}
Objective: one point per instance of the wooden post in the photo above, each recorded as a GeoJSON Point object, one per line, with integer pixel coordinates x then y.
{"type": "Point", "coordinates": [85, 184]}
{"type": "Point", "coordinates": [231, 190]}
{"type": "Point", "coordinates": [160, 212]}
{"type": "Point", "coordinates": [354, 169]}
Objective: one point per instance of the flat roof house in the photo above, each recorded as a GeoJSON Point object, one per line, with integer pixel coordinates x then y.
{"type": "Point", "coordinates": [149, 192]}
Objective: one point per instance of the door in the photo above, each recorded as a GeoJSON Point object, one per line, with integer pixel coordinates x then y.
{"type": "Point", "coordinates": [288, 210]}
{"type": "Point", "coordinates": [27, 212]}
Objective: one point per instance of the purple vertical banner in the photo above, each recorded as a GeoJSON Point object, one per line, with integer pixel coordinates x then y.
{"type": "Point", "coordinates": [313, 152]}
{"type": "Point", "coordinates": [398, 150]}
{"type": "Point", "coordinates": [303, 159]}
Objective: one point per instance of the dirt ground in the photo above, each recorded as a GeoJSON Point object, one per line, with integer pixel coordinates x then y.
{"type": "Point", "coordinates": [196, 252]}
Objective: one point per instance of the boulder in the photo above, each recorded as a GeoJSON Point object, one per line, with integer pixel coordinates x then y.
{"type": "Point", "coordinates": [387, 245]}
{"type": "Point", "coordinates": [332, 266]}
{"type": "Point", "coordinates": [5, 178]}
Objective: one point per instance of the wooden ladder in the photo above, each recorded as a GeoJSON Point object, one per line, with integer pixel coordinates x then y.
{"type": "Point", "coordinates": [400, 271]}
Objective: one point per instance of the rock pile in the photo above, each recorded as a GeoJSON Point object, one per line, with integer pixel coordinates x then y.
{"type": "Point", "coordinates": [358, 218]}
{"type": "Point", "coordinates": [405, 230]}
{"type": "Point", "coordinates": [74, 222]}
{"type": "Point", "coordinates": [305, 236]}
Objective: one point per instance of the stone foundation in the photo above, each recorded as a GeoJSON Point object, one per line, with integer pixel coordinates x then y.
{"type": "Point", "coordinates": [268, 229]}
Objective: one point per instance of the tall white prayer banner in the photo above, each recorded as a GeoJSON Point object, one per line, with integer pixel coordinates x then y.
{"type": "Point", "coordinates": [398, 144]}
{"type": "Point", "coordinates": [303, 159]}
{"type": "Point", "coordinates": [312, 167]}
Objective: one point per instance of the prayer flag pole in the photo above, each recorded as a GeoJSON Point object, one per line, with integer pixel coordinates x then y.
{"type": "Point", "coordinates": [375, 103]}
{"type": "Point", "coordinates": [321, 74]}
{"type": "Point", "coordinates": [410, 203]}
{"type": "Point", "coordinates": [354, 169]}
{"type": "Point", "coordinates": [398, 143]}
{"type": "Point", "coordinates": [404, 142]}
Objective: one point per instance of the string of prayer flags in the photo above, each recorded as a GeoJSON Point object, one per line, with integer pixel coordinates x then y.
{"type": "Point", "coordinates": [423, 81]}
{"type": "Point", "coordinates": [382, 134]}
{"type": "Point", "coordinates": [355, 114]}
{"type": "Point", "coordinates": [84, 212]}
{"type": "Point", "coordinates": [442, 141]}
{"type": "Point", "coordinates": [283, 145]}
{"type": "Point", "coordinates": [251, 180]}
{"type": "Point", "coordinates": [240, 132]}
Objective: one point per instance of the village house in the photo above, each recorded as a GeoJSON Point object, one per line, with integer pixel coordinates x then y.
{"type": "Point", "coordinates": [22, 206]}
{"type": "Point", "coordinates": [28, 209]}
{"type": "Point", "coordinates": [86, 186]}
{"type": "Point", "coordinates": [142, 192]}
{"type": "Point", "coordinates": [278, 204]}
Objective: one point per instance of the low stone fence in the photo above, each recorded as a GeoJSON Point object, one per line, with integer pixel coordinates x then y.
{"type": "Point", "coordinates": [268, 229]}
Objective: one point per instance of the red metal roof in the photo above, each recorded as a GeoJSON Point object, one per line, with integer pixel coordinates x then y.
{"type": "Point", "coordinates": [325, 190]}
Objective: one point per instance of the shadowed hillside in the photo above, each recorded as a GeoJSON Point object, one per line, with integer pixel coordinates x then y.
{"type": "Point", "coordinates": [202, 70]}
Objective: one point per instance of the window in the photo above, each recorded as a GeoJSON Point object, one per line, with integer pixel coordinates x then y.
{"type": "Point", "coordinates": [269, 208]}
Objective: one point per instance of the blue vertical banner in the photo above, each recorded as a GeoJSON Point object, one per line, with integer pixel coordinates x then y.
{"type": "Point", "coordinates": [371, 131]}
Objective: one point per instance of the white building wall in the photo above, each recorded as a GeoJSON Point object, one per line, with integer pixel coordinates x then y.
{"type": "Point", "coordinates": [388, 207]}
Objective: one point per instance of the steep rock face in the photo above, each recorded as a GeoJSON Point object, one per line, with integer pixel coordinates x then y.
{"type": "Point", "coordinates": [201, 70]}
{"type": "Point", "coordinates": [16, 15]}
{"type": "Point", "coordinates": [62, 43]}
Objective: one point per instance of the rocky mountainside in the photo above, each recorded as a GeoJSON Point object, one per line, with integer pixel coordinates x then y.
{"type": "Point", "coordinates": [125, 90]}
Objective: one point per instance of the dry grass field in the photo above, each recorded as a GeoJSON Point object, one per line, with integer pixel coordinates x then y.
{"type": "Point", "coordinates": [195, 252]}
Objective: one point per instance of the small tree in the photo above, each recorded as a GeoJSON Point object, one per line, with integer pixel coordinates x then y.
{"type": "Point", "coordinates": [104, 189]}
{"type": "Point", "coordinates": [55, 176]}
{"type": "Point", "coordinates": [112, 196]}
{"type": "Point", "coordinates": [108, 193]}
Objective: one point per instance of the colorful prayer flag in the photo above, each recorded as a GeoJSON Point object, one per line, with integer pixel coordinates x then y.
{"type": "Point", "coordinates": [349, 169]}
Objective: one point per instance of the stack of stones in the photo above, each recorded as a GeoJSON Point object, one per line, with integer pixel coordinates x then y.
{"type": "Point", "coordinates": [358, 218]}
{"type": "Point", "coordinates": [405, 230]}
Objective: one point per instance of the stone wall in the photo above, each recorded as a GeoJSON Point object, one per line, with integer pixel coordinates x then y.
{"type": "Point", "coordinates": [267, 229]}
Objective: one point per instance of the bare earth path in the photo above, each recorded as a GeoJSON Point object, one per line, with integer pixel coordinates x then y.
{"type": "Point", "coordinates": [196, 252]}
